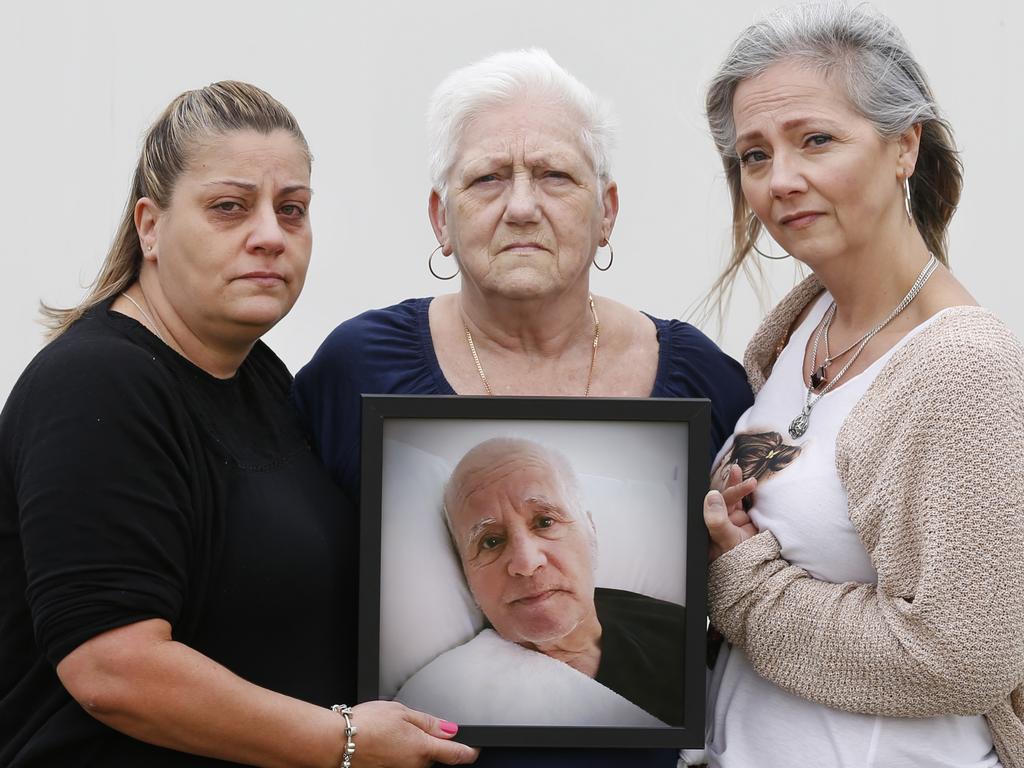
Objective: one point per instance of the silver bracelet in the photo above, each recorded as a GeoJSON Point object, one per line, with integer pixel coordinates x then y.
{"type": "Point", "coordinates": [350, 733]}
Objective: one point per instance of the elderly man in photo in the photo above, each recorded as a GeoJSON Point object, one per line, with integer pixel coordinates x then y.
{"type": "Point", "coordinates": [558, 649]}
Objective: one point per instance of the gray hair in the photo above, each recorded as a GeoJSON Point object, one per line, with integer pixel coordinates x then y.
{"type": "Point", "coordinates": [503, 79]}
{"type": "Point", "coordinates": [500, 448]}
{"type": "Point", "coordinates": [870, 59]}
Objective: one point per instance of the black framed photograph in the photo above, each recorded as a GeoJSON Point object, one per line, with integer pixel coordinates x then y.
{"type": "Point", "coordinates": [534, 568]}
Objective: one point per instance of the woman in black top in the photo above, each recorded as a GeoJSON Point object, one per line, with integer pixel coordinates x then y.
{"type": "Point", "coordinates": [176, 569]}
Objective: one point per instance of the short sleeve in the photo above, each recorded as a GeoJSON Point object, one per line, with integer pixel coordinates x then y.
{"type": "Point", "coordinates": [97, 442]}
{"type": "Point", "coordinates": [692, 365]}
{"type": "Point", "coordinates": [382, 351]}
{"type": "Point", "coordinates": [327, 400]}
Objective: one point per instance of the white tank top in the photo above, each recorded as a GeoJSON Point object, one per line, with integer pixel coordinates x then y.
{"type": "Point", "coordinates": [751, 721]}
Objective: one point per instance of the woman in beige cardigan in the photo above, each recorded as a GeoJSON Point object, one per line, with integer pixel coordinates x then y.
{"type": "Point", "coordinates": [868, 539]}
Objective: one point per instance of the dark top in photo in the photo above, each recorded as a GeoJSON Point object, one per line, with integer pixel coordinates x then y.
{"type": "Point", "coordinates": [641, 660]}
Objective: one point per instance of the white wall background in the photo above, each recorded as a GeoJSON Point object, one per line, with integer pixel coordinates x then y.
{"type": "Point", "coordinates": [82, 80]}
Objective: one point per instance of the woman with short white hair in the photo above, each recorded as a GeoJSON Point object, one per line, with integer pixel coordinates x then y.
{"type": "Point", "coordinates": [522, 200]}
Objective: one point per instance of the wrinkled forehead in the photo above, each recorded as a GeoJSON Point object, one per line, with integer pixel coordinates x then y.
{"type": "Point", "coordinates": [534, 127]}
{"type": "Point", "coordinates": [245, 161]}
{"type": "Point", "coordinates": [478, 484]}
{"type": "Point", "coordinates": [790, 89]}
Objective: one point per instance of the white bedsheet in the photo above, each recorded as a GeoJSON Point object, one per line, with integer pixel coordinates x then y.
{"type": "Point", "coordinates": [491, 681]}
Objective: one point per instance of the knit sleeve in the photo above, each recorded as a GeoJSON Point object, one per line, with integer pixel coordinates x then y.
{"type": "Point", "coordinates": [932, 458]}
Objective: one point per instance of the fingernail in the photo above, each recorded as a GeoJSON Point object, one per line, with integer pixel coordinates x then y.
{"type": "Point", "coordinates": [450, 728]}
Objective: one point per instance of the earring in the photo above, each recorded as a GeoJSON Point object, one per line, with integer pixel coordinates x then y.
{"type": "Point", "coordinates": [611, 258]}
{"type": "Point", "coordinates": [430, 266]}
{"type": "Point", "coordinates": [753, 241]}
{"type": "Point", "coordinates": [906, 199]}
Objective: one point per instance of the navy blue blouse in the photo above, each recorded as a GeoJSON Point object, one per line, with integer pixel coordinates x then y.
{"type": "Point", "coordinates": [390, 351]}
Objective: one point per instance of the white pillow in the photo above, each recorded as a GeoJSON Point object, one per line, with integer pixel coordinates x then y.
{"type": "Point", "coordinates": [425, 605]}
{"type": "Point", "coordinates": [641, 535]}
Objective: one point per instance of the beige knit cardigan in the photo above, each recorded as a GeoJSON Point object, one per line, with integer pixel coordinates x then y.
{"type": "Point", "coordinates": [932, 460]}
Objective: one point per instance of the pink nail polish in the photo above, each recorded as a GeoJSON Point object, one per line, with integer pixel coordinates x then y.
{"type": "Point", "coordinates": [450, 728]}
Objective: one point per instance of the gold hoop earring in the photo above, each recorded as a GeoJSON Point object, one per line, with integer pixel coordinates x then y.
{"type": "Point", "coordinates": [430, 266]}
{"type": "Point", "coordinates": [753, 241]}
{"type": "Point", "coordinates": [611, 258]}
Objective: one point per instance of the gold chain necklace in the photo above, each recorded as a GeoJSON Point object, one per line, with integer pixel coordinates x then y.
{"type": "Point", "coordinates": [593, 352]}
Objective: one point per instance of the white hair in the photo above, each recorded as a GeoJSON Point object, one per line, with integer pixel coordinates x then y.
{"type": "Point", "coordinates": [502, 79]}
{"type": "Point", "coordinates": [498, 449]}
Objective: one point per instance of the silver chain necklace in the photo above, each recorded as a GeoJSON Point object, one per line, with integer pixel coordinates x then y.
{"type": "Point", "coordinates": [817, 374]}
{"type": "Point", "coordinates": [145, 314]}
{"type": "Point", "coordinates": [818, 371]}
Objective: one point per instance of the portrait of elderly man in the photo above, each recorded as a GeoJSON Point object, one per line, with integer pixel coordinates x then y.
{"type": "Point", "coordinates": [557, 649]}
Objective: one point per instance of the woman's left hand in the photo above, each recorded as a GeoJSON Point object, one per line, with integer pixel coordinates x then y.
{"type": "Point", "coordinates": [727, 521]}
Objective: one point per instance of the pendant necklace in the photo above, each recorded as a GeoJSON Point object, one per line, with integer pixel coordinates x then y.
{"type": "Point", "coordinates": [593, 352]}
{"type": "Point", "coordinates": [817, 373]}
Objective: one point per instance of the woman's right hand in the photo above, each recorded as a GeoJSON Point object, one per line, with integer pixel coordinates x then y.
{"type": "Point", "coordinates": [391, 735]}
{"type": "Point", "coordinates": [727, 521]}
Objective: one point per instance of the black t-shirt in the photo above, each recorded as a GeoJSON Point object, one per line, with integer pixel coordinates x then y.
{"type": "Point", "coordinates": [133, 485]}
{"type": "Point", "coordinates": [642, 642]}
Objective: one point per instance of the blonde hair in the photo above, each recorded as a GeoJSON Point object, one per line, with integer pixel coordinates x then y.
{"type": "Point", "coordinates": [167, 149]}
